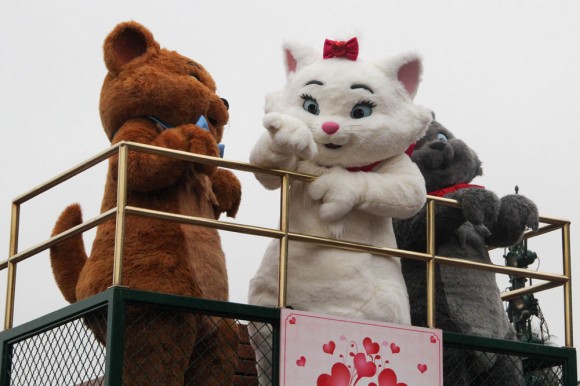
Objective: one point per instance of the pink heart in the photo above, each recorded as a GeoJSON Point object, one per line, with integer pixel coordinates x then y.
{"type": "Point", "coordinates": [364, 368]}
{"type": "Point", "coordinates": [292, 320]}
{"type": "Point", "coordinates": [370, 346]}
{"type": "Point", "coordinates": [329, 347]}
{"type": "Point", "coordinates": [422, 367]}
{"type": "Point", "coordinates": [339, 376]}
{"type": "Point", "coordinates": [342, 337]}
{"type": "Point", "coordinates": [433, 339]}
{"type": "Point", "coordinates": [301, 362]}
{"type": "Point", "coordinates": [395, 349]}
{"type": "Point", "coordinates": [388, 377]}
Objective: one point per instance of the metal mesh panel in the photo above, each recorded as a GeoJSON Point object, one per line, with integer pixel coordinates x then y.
{"type": "Point", "coordinates": [167, 347]}
{"type": "Point", "coordinates": [188, 349]}
{"type": "Point", "coordinates": [65, 355]}
{"type": "Point", "coordinates": [260, 336]}
{"type": "Point", "coordinates": [468, 367]}
{"type": "Point", "coordinates": [71, 355]}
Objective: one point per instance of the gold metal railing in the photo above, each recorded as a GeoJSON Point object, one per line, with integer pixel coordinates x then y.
{"type": "Point", "coordinates": [283, 233]}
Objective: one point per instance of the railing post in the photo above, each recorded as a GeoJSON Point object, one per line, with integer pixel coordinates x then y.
{"type": "Point", "coordinates": [430, 265]}
{"type": "Point", "coordinates": [11, 281]}
{"type": "Point", "coordinates": [568, 285]}
{"type": "Point", "coordinates": [121, 215]}
{"type": "Point", "coordinates": [115, 344]}
{"type": "Point", "coordinates": [284, 225]}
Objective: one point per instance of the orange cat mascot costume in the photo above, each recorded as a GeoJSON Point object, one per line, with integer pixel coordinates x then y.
{"type": "Point", "coordinates": [158, 97]}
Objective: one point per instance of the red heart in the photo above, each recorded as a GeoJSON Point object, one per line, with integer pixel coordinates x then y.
{"type": "Point", "coordinates": [370, 346]}
{"type": "Point", "coordinates": [364, 368]}
{"type": "Point", "coordinates": [422, 367]}
{"type": "Point", "coordinates": [433, 339]}
{"type": "Point", "coordinates": [292, 320]}
{"type": "Point", "coordinates": [395, 349]}
{"type": "Point", "coordinates": [301, 362]}
{"type": "Point", "coordinates": [339, 376]}
{"type": "Point", "coordinates": [387, 377]}
{"type": "Point", "coordinates": [329, 347]}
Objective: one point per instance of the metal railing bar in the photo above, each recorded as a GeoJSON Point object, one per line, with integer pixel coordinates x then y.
{"type": "Point", "coordinates": [237, 165]}
{"type": "Point", "coordinates": [502, 269]}
{"type": "Point", "coordinates": [357, 247]}
{"type": "Point", "coordinates": [21, 256]}
{"type": "Point", "coordinates": [542, 230]}
{"type": "Point", "coordinates": [89, 163]}
{"type": "Point", "coordinates": [509, 295]}
{"type": "Point", "coordinates": [444, 201]}
{"type": "Point", "coordinates": [569, 322]}
{"type": "Point", "coordinates": [192, 220]}
{"type": "Point", "coordinates": [284, 241]}
{"type": "Point", "coordinates": [554, 220]}
{"type": "Point", "coordinates": [119, 246]}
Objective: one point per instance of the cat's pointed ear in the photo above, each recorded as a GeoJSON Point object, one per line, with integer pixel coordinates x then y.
{"type": "Point", "coordinates": [297, 56]}
{"type": "Point", "coordinates": [407, 69]}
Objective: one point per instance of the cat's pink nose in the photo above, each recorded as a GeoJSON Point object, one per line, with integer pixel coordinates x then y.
{"type": "Point", "coordinates": [330, 127]}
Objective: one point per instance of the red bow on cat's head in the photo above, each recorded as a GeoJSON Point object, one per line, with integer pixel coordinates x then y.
{"type": "Point", "coordinates": [338, 49]}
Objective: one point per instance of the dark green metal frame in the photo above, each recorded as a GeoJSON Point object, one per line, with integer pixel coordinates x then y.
{"type": "Point", "coordinates": [116, 300]}
{"type": "Point", "coordinates": [558, 355]}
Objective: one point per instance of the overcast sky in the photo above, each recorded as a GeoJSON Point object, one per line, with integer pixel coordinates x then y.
{"type": "Point", "coordinates": [502, 75]}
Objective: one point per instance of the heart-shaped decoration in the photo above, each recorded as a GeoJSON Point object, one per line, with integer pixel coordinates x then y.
{"type": "Point", "coordinates": [433, 339]}
{"type": "Point", "coordinates": [301, 361]}
{"type": "Point", "coordinates": [395, 349]}
{"type": "Point", "coordinates": [292, 320]}
{"type": "Point", "coordinates": [364, 368]}
{"type": "Point", "coordinates": [370, 346]}
{"type": "Point", "coordinates": [343, 338]}
{"type": "Point", "coordinates": [339, 376]}
{"type": "Point", "coordinates": [329, 347]}
{"type": "Point", "coordinates": [388, 377]}
{"type": "Point", "coordinates": [422, 367]}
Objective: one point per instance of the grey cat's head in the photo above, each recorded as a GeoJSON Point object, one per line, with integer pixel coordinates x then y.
{"type": "Point", "coordinates": [445, 160]}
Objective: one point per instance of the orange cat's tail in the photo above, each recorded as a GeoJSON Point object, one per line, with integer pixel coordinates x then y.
{"type": "Point", "coordinates": [69, 256]}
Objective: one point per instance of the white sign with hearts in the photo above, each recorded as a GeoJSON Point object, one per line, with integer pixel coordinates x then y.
{"type": "Point", "coordinates": [325, 350]}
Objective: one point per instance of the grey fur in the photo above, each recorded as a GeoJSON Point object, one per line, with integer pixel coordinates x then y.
{"type": "Point", "coordinates": [467, 301]}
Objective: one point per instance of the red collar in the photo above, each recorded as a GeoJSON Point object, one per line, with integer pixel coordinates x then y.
{"type": "Point", "coordinates": [453, 188]}
{"type": "Point", "coordinates": [364, 168]}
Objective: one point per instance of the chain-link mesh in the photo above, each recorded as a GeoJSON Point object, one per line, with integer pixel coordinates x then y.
{"type": "Point", "coordinates": [161, 348]}
{"type": "Point", "coordinates": [164, 347]}
{"type": "Point", "coordinates": [468, 367]}
{"type": "Point", "coordinates": [66, 355]}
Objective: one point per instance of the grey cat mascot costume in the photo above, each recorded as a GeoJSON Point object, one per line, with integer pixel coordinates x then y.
{"type": "Point", "coordinates": [467, 301]}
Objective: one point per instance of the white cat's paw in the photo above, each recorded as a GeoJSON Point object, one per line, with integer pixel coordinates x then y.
{"type": "Point", "coordinates": [290, 135]}
{"type": "Point", "coordinates": [337, 196]}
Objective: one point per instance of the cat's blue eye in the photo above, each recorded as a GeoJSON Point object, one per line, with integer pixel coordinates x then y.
{"type": "Point", "coordinates": [311, 106]}
{"type": "Point", "coordinates": [442, 137]}
{"type": "Point", "coordinates": [361, 110]}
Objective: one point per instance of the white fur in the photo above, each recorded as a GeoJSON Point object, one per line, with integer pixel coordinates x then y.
{"type": "Point", "coordinates": [352, 206]}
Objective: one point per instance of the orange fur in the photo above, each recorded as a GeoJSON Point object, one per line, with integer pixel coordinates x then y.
{"type": "Point", "coordinates": [160, 256]}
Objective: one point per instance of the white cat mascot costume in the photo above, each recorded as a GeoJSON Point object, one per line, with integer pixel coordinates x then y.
{"type": "Point", "coordinates": [348, 122]}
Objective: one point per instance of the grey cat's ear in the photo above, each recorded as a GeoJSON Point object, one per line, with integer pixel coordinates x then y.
{"type": "Point", "coordinates": [407, 69]}
{"type": "Point", "coordinates": [298, 55]}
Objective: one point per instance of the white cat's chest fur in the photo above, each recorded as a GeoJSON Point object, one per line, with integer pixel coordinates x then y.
{"type": "Point", "coordinates": [335, 281]}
